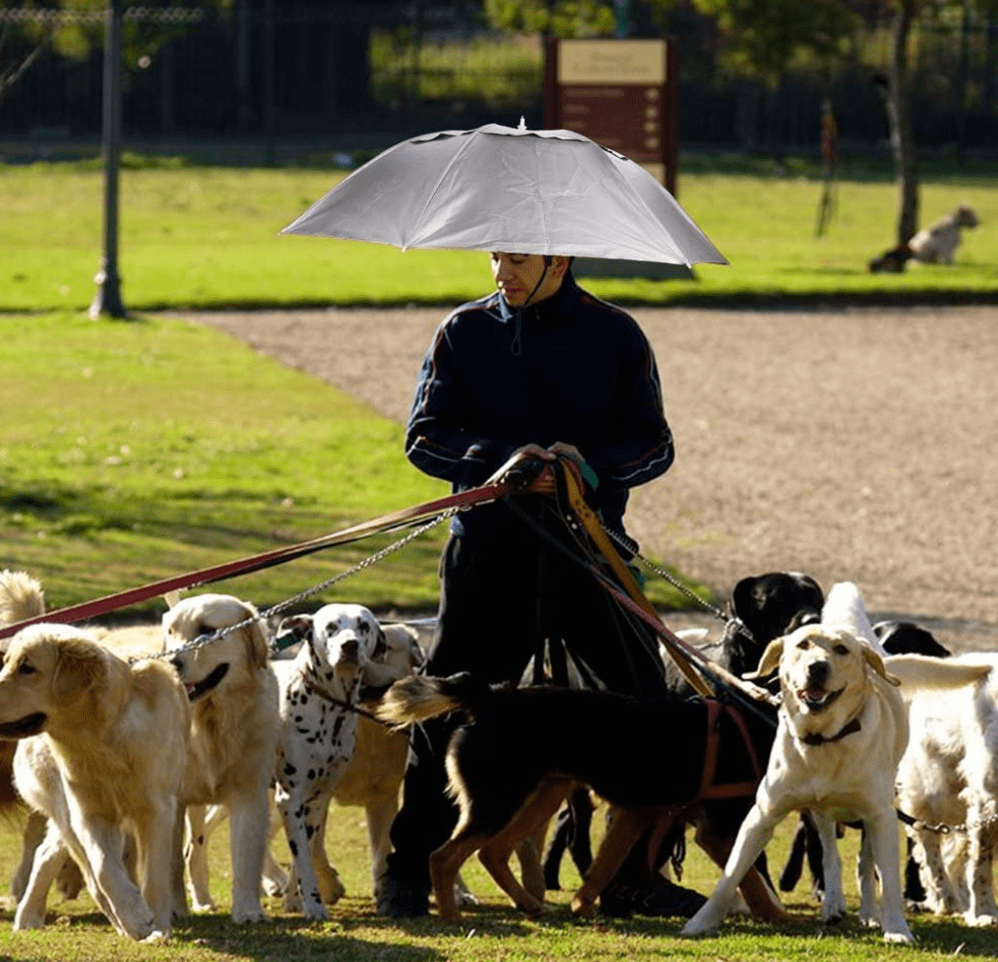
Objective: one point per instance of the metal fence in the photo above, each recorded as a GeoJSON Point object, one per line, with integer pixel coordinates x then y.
{"type": "Point", "coordinates": [308, 78]}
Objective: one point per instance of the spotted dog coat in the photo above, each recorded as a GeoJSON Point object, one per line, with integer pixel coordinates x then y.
{"type": "Point", "coordinates": [319, 734]}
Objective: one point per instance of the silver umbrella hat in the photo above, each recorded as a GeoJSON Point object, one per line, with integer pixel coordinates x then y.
{"type": "Point", "coordinates": [499, 188]}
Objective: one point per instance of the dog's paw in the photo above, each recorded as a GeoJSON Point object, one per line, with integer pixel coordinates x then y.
{"type": "Point", "coordinates": [248, 914]}
{"type": "Point", "coordinates": [315, 911]}
{"type": "Point", "coordinates": [979, 921]}
{"type": "Point", "coordinates": [156, 937]}
{"type": "Point", "coordinates": [694, 929]}
{"type": "Point", "coordinates": [26, 922]}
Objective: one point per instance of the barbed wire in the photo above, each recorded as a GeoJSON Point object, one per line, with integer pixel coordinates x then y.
{"type": "Point", "coordinates": [64, 18]}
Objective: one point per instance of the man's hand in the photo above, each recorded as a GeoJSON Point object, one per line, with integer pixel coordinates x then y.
{"type": "Point", "coordinates": [544, 481]}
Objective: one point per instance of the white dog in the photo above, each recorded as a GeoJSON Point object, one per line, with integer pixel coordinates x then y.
{"type": "Point", "coordinates": [937, 243]}
{"type": "Point", "coordinates": [106, 762]}
{"type": "Point", "coordinates": [234, 706]}
{"type": "Point", "coordinates": [319, 690]}
{"type": "Point", "coordinates": [842, 731]}
{"type": "Point", "coordinates": [949, 776]}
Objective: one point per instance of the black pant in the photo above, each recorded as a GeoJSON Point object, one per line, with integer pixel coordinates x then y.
{"type": "Point", "coordinates": [504, 592]}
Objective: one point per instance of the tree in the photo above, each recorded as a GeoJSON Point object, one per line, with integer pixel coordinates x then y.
{"type": "Point", "coordinates": [759, 37]}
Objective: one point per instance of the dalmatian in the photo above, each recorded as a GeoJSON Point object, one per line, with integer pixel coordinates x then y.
{"type": "Point", "coordinates": [319, 690]}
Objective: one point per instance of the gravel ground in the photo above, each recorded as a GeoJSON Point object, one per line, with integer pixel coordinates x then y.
{"type": "Point", "coordinates": [855, 445]}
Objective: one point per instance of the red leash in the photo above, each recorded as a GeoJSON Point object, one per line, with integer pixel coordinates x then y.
{"type": "Point", "coordinates": [397, 519]}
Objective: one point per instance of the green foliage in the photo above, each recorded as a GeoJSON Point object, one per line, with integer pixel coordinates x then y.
{"type": "Point", "coordinates": [477, 69]}
{"type": "Point", "coordinates": [761, 37]}
{"type": "Point", "coordinates": [560, 18]}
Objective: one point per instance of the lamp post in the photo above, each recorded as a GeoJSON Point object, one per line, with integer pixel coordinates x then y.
{"type": "Point", "coordinates": [107, 300]}
{"type": "Point", "coordinates": [622, 15]}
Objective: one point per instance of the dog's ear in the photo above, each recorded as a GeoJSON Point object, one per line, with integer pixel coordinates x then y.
{"type": "Point", "coordinates": [742, 595]}
{"type": "Point", "coordinates": [77, 668]}
{"type": "Point", "coordinates": [874, 660]}
{"type": "Point", "coordinates": [298, 625]}
{"type": "Point", "coordinates": [380, 645]}
{"type": "Point", "coordinates": [769, 661]}
{"type": "Point", "coordinates": [256, 641]}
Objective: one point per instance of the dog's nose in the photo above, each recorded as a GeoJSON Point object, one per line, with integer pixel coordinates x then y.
{"type": "Point", "coordinates": [349, 650]}
{"type": "Point", "coordinates": [817, 672]}
{"type": "Point", "coordinates": [178, 664]}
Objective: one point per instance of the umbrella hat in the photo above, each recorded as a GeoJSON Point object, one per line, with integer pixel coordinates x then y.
{"type": "Point", "coordinates": [499, 188]}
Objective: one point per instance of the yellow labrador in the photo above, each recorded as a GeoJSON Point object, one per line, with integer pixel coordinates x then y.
{"type": "Point", "coordinates": [234, 707]}
{"type": "Point", "coordinates": [102, 749]}
{"type": "Point", "coordinates": [842, 731]}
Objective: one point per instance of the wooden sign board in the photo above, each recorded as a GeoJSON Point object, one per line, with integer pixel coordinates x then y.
{"type": "Point", "coordinates": [623, 94]}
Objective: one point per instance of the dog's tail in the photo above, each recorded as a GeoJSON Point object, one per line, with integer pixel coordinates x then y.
{"type": "Point", "coordinates": [21, 597]}
{"type": "Point", "coordinates": [419, 697]}
{"type": "Point", "coordinates": [925, 672]}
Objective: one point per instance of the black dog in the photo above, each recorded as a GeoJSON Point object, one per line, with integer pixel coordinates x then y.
{"type": "Point", "coordinates": [892, 261]}
{"type": "Point", "coordinates": [520, 751]}
{"type": "Point", "coordinates": [762, 607]}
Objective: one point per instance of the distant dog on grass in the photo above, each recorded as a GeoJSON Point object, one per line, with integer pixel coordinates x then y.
{"type": "Point", "coordinates": [937, 243]}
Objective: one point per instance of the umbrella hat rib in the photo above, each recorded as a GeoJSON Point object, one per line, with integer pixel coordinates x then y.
{"type": "Point", "coordinates": [445, 174]}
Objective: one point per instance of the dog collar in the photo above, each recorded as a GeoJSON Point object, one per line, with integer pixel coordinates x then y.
{"type": "Point", "coordinates": [817, 739]}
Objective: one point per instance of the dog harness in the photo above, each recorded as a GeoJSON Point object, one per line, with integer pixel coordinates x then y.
{"type": "Point", "coordinates": [709, 790]}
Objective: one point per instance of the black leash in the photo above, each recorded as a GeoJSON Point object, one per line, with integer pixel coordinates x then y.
{"type": "Point", "coordinates": [541, 532]}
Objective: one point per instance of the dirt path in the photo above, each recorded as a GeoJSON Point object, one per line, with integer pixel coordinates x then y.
{"type": "Point", "coordinates": [854, 445]}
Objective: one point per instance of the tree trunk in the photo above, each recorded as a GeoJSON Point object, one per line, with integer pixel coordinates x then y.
{"type": "Point", "coordinates": [898, 102]}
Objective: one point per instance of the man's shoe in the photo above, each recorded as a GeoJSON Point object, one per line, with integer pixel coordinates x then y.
{"type": "Point", "coordinates": [398, 899]}
{"type": "Point", "coordinates": [662, 899]}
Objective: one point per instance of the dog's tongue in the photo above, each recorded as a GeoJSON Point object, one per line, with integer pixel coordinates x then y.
{"type": "Point", "coordinates": [815, 695]}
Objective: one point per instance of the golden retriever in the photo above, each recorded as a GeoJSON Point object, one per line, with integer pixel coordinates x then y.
{"type": "Point", "coordinates": [841, 733]}
{"type": "Point", "coordinates": [234, 730]}
{"type": "Point", "coordinates": [102, 751]}
{"type": "Point", "coordinates": [21, 598]}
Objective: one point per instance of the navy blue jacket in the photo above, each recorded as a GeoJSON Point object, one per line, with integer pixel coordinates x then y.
{"type": "Point", "coordinates": [572, 368]}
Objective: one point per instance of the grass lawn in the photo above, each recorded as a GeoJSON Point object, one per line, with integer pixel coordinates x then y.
{"type": "Point", "coordinates": [134, 451]}
{"type": "Point", "coordinates": [493, 930]}
{"type": "Point", "coordinates": [195, 236]}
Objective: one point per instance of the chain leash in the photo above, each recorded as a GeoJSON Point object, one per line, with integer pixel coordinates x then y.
{"type": "Point", "coordinates": [672, 579]}
{"type": "Point", "coordinates": [279, 644]}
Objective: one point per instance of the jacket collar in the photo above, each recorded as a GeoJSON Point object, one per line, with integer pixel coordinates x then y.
{"type": "Point", "coordinates": [552, 308]}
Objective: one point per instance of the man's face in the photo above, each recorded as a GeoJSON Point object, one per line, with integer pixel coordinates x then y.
{"type": "Point", "coordinates": [516, 276]}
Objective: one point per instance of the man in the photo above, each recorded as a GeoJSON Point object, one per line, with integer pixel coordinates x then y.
{"type": "Point", "coordinates": [539, 368]}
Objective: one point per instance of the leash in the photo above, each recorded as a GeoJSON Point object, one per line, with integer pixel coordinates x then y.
{"type": "Point", "coordinates": [631, 598]}
{"type": "Point", "coordinates": [491, 491]}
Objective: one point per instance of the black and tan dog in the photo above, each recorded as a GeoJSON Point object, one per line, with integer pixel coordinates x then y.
{"type": "Point", "coordinates": [520, 751]}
